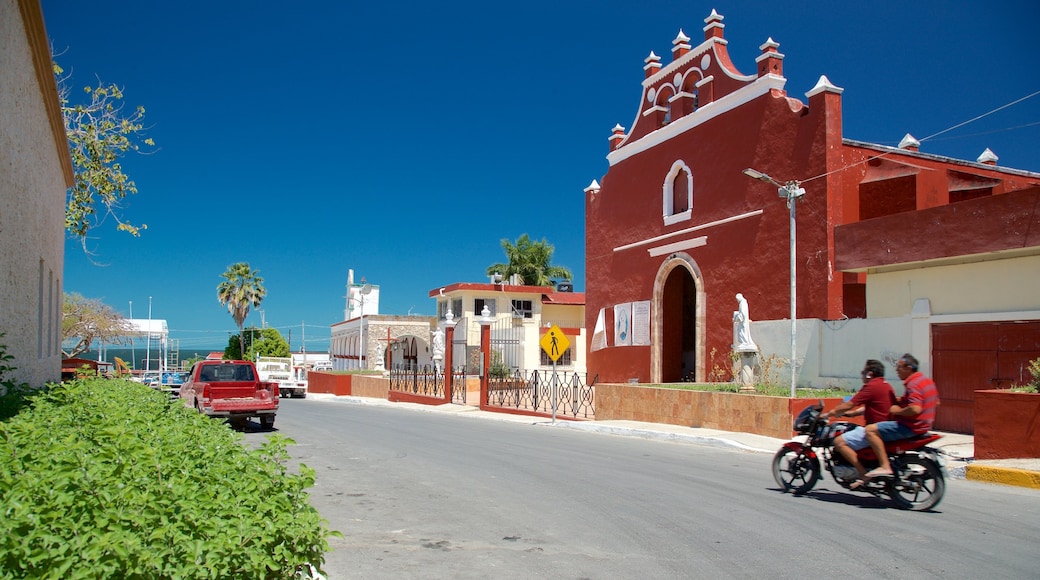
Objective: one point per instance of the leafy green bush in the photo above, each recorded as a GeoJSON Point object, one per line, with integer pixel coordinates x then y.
{"type": "Point", "coordinates": [107, 479]}
{"type": "Point", "coordinates": [13, 396]}
{"type": "Point", "coordinates": [1032, 386]}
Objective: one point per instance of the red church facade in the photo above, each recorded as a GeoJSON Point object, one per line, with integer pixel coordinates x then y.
{"type": "Point", "coordinates": [677, 225]}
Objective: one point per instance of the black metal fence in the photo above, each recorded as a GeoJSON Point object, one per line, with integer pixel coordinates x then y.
{"type": "Point", "coordinates": [428, 381]}
{"type": "Point", "coordinates": [539, 391]}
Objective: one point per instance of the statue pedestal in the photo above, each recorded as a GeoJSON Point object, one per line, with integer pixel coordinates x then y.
{"type": "Point", "coordinates": [746, 373]}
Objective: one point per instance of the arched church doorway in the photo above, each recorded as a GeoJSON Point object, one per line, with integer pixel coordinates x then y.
{"type": "Point", "coordinates": [679, 322]}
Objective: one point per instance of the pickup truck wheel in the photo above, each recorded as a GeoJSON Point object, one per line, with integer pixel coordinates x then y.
{"type": "Point", "coordinates": [267, 421]}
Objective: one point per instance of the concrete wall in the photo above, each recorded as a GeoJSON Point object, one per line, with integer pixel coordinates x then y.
{"type": "Point", "coordinates": [832, 353]}
{"type": "Point", "coordinates": [769, 416]}
{"type": "Point", "coordinates": [33, 180]}
{"type": "Point", "coordinates": [354, 385]}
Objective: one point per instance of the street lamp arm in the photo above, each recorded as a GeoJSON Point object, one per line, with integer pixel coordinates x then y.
{"type": "Point", "coordinates": [759, 176]}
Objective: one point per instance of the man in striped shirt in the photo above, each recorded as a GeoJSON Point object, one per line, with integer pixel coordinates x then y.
{"type": "Point", "coordinates": [914, 413]}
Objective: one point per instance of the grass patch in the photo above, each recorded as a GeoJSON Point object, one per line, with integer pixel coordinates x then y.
{"type": "Point", "coordinates": [769, 390]}
{"type": "Point", "coordinates": [353, 372]}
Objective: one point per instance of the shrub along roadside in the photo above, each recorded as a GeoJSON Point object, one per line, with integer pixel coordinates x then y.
{"type": "Point", "coordinates": [107, 478]}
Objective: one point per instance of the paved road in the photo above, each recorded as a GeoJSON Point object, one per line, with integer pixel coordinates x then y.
{"type": "Point", "coordinates": [430, 495]}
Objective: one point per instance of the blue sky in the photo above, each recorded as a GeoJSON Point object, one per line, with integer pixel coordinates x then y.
{"type": "Point", "coordinates": [404, 140]}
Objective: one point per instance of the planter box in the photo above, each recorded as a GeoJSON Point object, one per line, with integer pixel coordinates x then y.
{"type": "Point", "coordinates": [769, 416]}
{"type": "Point", "coordinates": [1007, 425]}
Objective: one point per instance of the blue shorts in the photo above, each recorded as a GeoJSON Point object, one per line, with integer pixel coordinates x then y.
{"type": "Point", "coordinates": [856, 438]}
{"type": "Point", "coordinates": [893, 430]}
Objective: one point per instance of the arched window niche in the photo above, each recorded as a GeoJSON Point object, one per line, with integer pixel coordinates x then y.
{"type": "Point", "coordinates": [677, 197]}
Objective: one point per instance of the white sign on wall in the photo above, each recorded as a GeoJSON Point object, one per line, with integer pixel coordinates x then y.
{"type": "Point", "coordinates": [641, 323]}
{"type": "Point", "coordinates": [623, 324]}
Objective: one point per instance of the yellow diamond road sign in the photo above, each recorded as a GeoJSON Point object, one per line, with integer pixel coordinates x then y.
{"type": "Point", "coordinates": [554, 343]}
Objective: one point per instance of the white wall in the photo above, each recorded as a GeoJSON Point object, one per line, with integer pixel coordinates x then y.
{"type": "Point", "coordinates": [998, 284]}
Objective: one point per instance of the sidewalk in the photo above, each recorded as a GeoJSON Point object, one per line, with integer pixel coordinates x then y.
{"type": "Point", "coordinates": [958, 449]}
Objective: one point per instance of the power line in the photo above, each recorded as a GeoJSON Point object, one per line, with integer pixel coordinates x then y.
{"type": "Point", "coordinates": [932, 136]}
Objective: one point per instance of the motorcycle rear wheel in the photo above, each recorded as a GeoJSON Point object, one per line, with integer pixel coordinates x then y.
{"type": "Point", "coordinates": [919, 483]}
{"type": "Point", "coordinates": [794, 471]}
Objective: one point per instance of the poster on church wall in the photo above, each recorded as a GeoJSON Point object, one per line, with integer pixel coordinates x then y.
{"type": "Point", "coordinates": [599, 335]}
{"type": "Point", "coordinates": [641, 323]}
{"type": "Point", "coordinates": [623, 324]}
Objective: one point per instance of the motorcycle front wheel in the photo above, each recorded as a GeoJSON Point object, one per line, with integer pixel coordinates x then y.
{"type": "Point", "coordinates": [794, 471]}
{"type": "Point", "coordinates": [919, 483]}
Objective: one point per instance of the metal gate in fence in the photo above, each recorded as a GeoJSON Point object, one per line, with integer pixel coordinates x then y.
{"type": "Point", "coordinates": [539, 391]}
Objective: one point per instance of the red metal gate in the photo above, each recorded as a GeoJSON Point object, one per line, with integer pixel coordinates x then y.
{"type": "Point", "coordinates": [976, 356]}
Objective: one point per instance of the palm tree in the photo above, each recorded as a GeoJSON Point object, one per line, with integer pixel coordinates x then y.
{"type": "Point", "coordinates": [530, 261]}
{"type": "Point", "coordinates": [241, 288]}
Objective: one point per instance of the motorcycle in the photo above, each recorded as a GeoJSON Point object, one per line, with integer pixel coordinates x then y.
{"type": "Point", "coordinates": [918, 479]}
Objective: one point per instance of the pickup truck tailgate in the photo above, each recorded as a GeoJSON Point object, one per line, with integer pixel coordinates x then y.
{"type": "Point", "coordinates": [238, 396]}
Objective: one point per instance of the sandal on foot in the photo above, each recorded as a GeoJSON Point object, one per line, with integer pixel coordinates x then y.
{"type": "Point", "coordinates": [859, 483]}
{"type": "Point", "coordinates": [878, 473]}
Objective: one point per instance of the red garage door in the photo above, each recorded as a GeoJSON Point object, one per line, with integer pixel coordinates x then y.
{"type": "Point", "coordinates": [976, 356]}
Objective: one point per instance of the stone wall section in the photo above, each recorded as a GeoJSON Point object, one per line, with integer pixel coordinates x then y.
{"type": "Point", "coordinates": [34, 174]}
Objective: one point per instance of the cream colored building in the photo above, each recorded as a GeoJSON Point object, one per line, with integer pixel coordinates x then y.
{"type": "Point", "coordinates": [36, 172]}
{"type": "Point", "coordinates": [518, 316]}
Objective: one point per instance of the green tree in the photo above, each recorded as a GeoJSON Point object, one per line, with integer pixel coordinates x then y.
{"type": "Point", "coordinates": [187, 362]}
{"type": "Point", "coordinates": [241, 289]}
{"type": "Point", "coordinates": [87, 320]}
{"type": "Point", "coordinates": [531, 261]}
{"type": "Point", "coordinates": [257, 342]}
{"type": "Point", "coordinates": [100, 132]}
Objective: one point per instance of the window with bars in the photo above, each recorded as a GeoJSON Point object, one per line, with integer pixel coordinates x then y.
{"type": "Point", "coordinates": [522, 309]}
{"type": "Point", "coordinates": [456, 308]}
{"type": "Point", "coordinates": [480, 303]}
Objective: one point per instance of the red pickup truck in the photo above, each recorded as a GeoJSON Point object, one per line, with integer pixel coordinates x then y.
{"type": "Point", "coordinates": [231, 389]}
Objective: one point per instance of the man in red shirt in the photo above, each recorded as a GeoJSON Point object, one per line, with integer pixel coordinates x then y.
{"type": "Point", "coordinates": [914, 413]}
{"type": "Point", "coordinates": [873, 401]}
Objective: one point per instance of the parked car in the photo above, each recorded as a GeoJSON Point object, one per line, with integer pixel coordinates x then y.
{"type": "Point", "coordinates": [230, 389]}
{"type": "Point", "coordinates": [171, 383]}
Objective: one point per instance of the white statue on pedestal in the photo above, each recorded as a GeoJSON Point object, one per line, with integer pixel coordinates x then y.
{"type": "Point", "coordinates": [438, 348]}
{"type": "Point", "coordinates": [742, 327]}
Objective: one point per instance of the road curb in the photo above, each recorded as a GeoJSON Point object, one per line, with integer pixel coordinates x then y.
{"type": "Point", "coordinates": [661, 436]}
{"type": "Point", "coordinates": [1003, 475]}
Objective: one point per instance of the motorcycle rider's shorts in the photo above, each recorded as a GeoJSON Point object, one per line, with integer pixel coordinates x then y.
{"type": "Point", "coordinates": [856, 438]}
{"type": "Point", "coordinates": [894, 430]}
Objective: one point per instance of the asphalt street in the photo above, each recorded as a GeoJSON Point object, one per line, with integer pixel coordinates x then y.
{"type": "Point", "coordinates": [437, 495]}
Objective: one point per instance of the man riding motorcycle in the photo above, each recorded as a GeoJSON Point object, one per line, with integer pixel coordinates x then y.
{"type": "Point", "coordinates": [874, 401]}
{"type": "Point", "coordinates": [914, 413]}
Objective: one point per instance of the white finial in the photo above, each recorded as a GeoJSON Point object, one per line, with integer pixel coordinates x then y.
{"type": "Point", "coordinates": [824, 85]}
{"type": "Point", "coordinates": [988, 157]}
{"type": "Point", "coordinates": [652, 58]}
{"type": "Point", "coordinates": [593, 187]}
{"type": "Point", "coordinates": [681, 38]}
{"type": "Point", "coordinates": [618, 128]}
{"type": "Point", "coordinates": [909, 141]}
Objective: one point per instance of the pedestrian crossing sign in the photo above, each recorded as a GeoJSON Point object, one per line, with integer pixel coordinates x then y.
{"type": "Point", "coordinates": [554, 343]}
